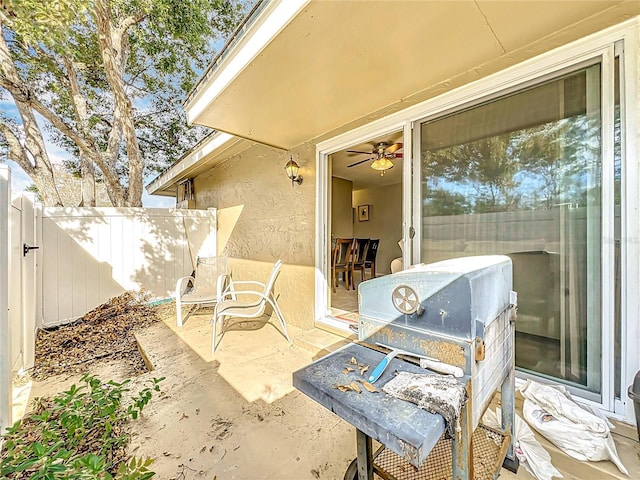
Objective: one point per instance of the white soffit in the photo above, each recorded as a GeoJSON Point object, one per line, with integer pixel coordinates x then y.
{"type": "Point", "coordinates": [205, 155]}
{"type": "Point", "coordinates": [338, 63]}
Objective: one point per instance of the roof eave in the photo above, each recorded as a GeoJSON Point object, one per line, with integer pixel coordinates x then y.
{"type": "Point", "coordinates": [270, 19]}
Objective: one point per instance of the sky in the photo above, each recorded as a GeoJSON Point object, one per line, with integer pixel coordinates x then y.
{"type": "Point", "coordinates": [20, 181]}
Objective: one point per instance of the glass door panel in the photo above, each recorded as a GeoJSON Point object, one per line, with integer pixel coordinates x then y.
{"type": "Point", "coordinates": [521, 176]}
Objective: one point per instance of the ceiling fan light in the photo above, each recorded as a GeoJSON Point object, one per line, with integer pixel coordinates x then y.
{"type": "Point", "coordinates": [382, 164]}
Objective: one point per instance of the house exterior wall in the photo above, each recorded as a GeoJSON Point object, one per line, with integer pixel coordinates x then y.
{"type": "Point", "coordinates": [262, 218]}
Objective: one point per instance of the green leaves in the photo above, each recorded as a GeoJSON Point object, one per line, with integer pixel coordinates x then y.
{"type": "Point", "coordinates": [79, 434]}
{"type": "Point", "coordinates": [36, 21]}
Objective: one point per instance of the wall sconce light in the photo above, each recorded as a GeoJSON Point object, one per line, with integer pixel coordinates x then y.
{"type": "Point", "coordinates": [293, 170]}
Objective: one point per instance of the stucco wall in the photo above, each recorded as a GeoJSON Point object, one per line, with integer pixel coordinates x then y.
{"type": "Point", "coordinates": [341, 208]}
{"type": "Point", "coordinates": [263, 218]}
{"type": "Point", "coordinates": [385, 222]}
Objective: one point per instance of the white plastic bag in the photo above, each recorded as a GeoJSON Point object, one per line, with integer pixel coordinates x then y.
{"type": "Point", "coordinates": [535, 459]}
{"type": "Point", "coordinates": [572, 428]}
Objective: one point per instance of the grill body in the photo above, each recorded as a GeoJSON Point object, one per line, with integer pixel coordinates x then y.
{"type": "Point", "coordinates": [457, 311]}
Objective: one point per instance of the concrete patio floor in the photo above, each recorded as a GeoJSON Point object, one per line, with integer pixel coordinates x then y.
{"type": "Point", "coordinates": [237, 416]}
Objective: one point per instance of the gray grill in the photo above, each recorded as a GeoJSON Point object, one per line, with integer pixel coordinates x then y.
{"type": "Point", "coordinates": [457, 311]}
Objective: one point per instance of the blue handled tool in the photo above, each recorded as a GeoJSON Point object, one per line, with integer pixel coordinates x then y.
{"type": "Point", "coordinates": [375, 375]}
{"type": "Point", "coordinates": [425, 362]}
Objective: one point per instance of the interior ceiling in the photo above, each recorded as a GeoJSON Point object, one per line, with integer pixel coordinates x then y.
{"type": "Point", "coordinates": [338, 65]}
{"type": "Point", "coordinates": [363, 176]}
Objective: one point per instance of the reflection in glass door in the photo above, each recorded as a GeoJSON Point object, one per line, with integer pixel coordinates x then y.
{"type": "Point", "coordinates": [521, 176]}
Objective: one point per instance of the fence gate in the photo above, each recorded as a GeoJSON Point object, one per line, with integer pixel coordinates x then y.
{"type": "Point", "coordinates": [18, 293]}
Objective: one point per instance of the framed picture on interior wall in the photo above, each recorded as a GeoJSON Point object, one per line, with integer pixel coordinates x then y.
{"type": "Point", "coordinates": [363, 213]}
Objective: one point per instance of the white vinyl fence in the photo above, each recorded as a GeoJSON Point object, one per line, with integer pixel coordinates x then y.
{"type": "Point", "coordinates": [81, 258]}
{"type": "Point", "coordinates": [89, 255]}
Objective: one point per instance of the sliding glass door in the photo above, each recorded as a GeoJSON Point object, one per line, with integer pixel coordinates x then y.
{"type": "Point", "coordinates": [521, 175]}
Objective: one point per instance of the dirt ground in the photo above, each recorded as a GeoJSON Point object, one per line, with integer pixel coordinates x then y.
{"type": "Point", "coordinates": [235, 416]}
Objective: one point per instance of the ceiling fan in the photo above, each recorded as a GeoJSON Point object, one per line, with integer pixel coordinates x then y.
{"type": "Point", "coordinates": [382, 154]}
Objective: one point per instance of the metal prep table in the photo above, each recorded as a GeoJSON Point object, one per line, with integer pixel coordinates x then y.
{"type": "Point", "coordinates": [408, 433]}
{"type": "Point", "coordinates": [413, 442]}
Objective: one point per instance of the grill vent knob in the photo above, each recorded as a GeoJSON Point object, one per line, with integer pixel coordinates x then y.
{"type": "Point", "coordinates": [406, 300]}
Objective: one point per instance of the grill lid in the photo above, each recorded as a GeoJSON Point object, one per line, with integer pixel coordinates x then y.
{"type": "Point", "coordinates": [457, 297]}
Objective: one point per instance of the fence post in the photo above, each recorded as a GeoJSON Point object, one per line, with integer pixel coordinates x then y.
{"type": "Point", "coordinates": [5, 361]}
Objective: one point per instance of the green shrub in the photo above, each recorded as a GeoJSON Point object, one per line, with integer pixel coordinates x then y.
{"type": "Point", "coordinates": [79, 434]}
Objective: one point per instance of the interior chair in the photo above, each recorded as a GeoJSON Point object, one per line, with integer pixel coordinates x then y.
{"type": "Point", "coordinates": [358, 256]}
{"type": "Point", "coordinates": [340, 261]}
{"type": "Point", "coordinates": [397, 264]}
{"type": "Point", "coordinates": [370, 258]}
{"type": "Point", "coordinates": [248, 301]}
{"type": "Point", "coordinates": [203, 287]}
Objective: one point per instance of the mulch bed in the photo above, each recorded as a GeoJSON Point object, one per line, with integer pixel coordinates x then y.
{"type": "Point", "coordinates": [104, 334]}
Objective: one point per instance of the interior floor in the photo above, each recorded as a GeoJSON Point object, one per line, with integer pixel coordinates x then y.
{"type": "Point", "coordinates": [344, 301]}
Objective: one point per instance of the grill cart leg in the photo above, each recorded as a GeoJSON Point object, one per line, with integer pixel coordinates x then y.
{"type": "Point", "coordinates": [365, 456]}
{"type": "Point", "coordinates": [461, 448]}
{"type": "Point", "coordinates": [507, 400]}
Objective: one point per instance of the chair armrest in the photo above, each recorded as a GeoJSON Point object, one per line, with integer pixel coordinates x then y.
{"type": "Point", "coordinates": [247, 282]}
{"type": "Point", "coordinates": [232, 290]}
{"type": "Point", "coordinates": [224, 284]}
{"type": "Point", "coordinates": [181, 285]}
{"type": "Point", "coordinates": [250, 303]}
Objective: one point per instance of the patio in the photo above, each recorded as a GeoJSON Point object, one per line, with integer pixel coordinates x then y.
{"type": "Point", "coordinates": [239, 417]}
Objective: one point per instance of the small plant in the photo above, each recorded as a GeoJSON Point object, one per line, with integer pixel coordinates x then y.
{"type": "Point", "coordinates": [79, 434]}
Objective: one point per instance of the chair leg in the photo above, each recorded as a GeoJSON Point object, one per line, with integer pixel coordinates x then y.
{"type": "Point", "coordinates": [215, 320]}
{"type": "Point", "coordinates": [179, 311]}
{"type": "Point", "coordinates": [333, 280]}
{"type": "Point", "coordinates": [361, 270]}
{"type": "Point", "coordinates": [276, 309]}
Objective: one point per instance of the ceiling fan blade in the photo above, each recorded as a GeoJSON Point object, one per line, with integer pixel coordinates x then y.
{"type": "Point", "coordinates": [393, 148]}
{"type": "Point", "coordinates": [361, 161]}
{"type": "Point", "coordinates": [358, 151]}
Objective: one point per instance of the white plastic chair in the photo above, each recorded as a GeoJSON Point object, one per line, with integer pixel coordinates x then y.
{"type": "Point", "coordinates": [208, 285]}
{"type": "Point", "coordinates": [252, 304]}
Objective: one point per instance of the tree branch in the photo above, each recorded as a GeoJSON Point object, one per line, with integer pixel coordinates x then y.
{"type": "Point", "coordinates": [16, 151]}
{"type": "Point", "coordinates": [129, 22]}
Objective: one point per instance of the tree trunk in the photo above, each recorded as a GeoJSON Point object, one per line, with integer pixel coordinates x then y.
{"type": "Point", "coordinates": [87, 168]}
{"type": "Point", "coordinates": [32, 155]}
{"type": "Point", "coordinates": [88, 185]}
{"type": "Point", "coordinates": [114, 46]}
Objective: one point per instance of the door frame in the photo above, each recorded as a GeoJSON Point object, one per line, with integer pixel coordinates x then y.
{"type": "Point", "coordinates": [600, 45]}
{"type": "Point", "coordinates": [323, 206]}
